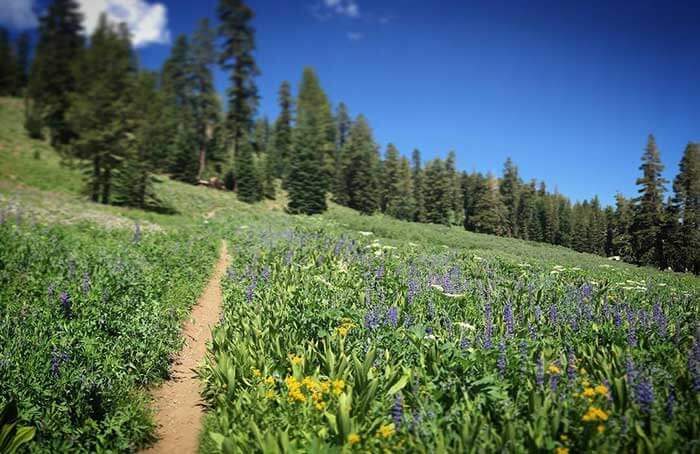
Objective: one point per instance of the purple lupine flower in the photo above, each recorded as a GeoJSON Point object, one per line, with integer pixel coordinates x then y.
{"type": "Point", "coordinates": [407, 320]}
{"type": "Point", "coordinates": [523, 351]}
{"type": "Point", "coordinates": [617, 318]}
{"type": "Point", "coordinates": [501, 362]}
{"type": "Point", "coordinates": [694, 364]}
{"type": "Point", "coordinates": [533, 332]}
{"type": "Point", "coordinates": [538, 313]}
{"type": "Point", "coordinates": [397, 410]}
{"type": "Point", "coordinates": [464, 343]}
{"type": "Point", "coordinates": [660, 320]}
{"type": "Point", "coordinates": [552, 314]}
{"type": "Point", "coordinates": [372, 319]}
{"type": "Point", "coordinates": [429, 331]}
{"type": "Point", "coordinates": [250, 292]}
{"type": "Point", "coordinates": [632, 337]}
{"type": "Point", "coordinates": [265, 273]}
{"type": "Point", "coordinates": [55, 363]}
{"type": "Point", "coordinates": [586, 290]}
{"type": "Point", "coordinates": [508, 319]}
{"type": "Point", "coordinates": [630, 371]}
{"type": "Point", "coordinates": [539, 370]}
{"type": "Point", "coordinates": [66, 305]}
{"type": "Point", "coordinates": [412, 291]}
{"type": "Point", "coordinates": [488, 326]}
{"type": "Point", "coordinates": [571, 366]}
{"type": "Point", "coordinates": [392, 316]}
{"type": "Point", "coordinates": [554, 378]}
{"type": "Point", "coordinates": [670, 402]}
{"type": "Point", "coordinates": [137, 233]}
{"type": "Point", "coordinates": [379, 272]}
{"type": "Point", "coordinates": [86, 282]}
{"type": "Point", "coordinates": [644, 393]}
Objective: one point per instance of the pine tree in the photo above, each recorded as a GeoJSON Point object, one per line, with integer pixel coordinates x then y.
{"type": "Point", "coordinates": [510, 189]}
{"type": "Point", "coordinates": [261, 135]}
{"type": "Point", "coordinates": [22, 71]}
{"type": "Point", "coordinates": [597, 228]}
{"type": "Point", "coordinates": [418, 190]}
{"type": "Point", "coordinates": [343, 125]}
{"type": "Point", "coordinates": [313, 102]}
{"type": "Point", "coordinates": [237, 58]}
{"type": "Point", "coordinates": [206, 108]}
{"type": "Point", "coordinates": [437, 192]}
{"type": "Point", "coordinates": [389, 176]}
{"type": "Point", "coordinates": [490, 212]}
{"type": "Point", "coordinates": [686, 205]}
{"type": "Point", "coordinates": [267, 170]}
{"type": "Point", "coordinates": [307, 181]}
{"type": "Point", "coordinates": [359, 187]}
{"type": "Point", "coordinates": [526, 211]}
{"type": "Point", "coordinates": [148, 136]}
{"type": "Point", "coordinates": [8, 65]}
{"type": "Point", "coordinates": [622, 241]}
{"type": "Point", "coordinates": [249, 186]}
{"type": "Point", "coordinates": [564, 213]}
{"type": "Point", "coordinates": [404, 206]}
{"type": "Point", "coordinates": [98, 110]}
{"type": "Point", "coordinates": [455, 196]}
{"type": "Point", "coordinates": [648, 214]}
{"type": "Point", "coordinates": [52, 79]}
{"type": "Point", "coordinates": [283, 131]}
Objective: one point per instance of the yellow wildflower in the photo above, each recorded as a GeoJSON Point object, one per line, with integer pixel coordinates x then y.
{"type": "Point", "coordinates": [270, 394]}
{"type": "Point", "coordinates": [325, 386]}
{"type": "Point", "coordinates": [588, 392]}
{"type": "Point", "coordinates": [562, 451]}
{"type": "Point", "coordinates": [595, 414]}
{"type": "Point", "coordinates": [386, 430]}
{"type": "Point", "coordinates": [601, 389]}
{"type": "Point", "coordinates": [256, 372]}
{"type": "Point", "coordinates": [338, 386]}
{"type": "Point", "coordinates": [270, 380]}
{"type": "Point", "coordinates": [296, 360]}
{"type": "Point", "coordinates": [554, 369]}
{"type": "Point", "coordinates": [320, 406]}
{"type": "Point", "coordinates": [586, 383]}
{"type": "Point", "coordinates": [353, 439]}
{"type": "Point", "coordinates": [309, 382]}
{"type": "Point", "coordinates": [342, 331]}
{"type": "Point", "coordinates": [601, 428]}
{"type": "Point", "coordinates": [564, 437]}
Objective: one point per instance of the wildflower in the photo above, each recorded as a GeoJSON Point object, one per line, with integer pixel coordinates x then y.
{"type": "Point", "coordinates": [465, 326]}
{"type": "Point", "coordinates": [270, 380]}
{"type": "Point", "coordinates": [342, 330]}
{"type": "Point", "coordinates": [601, 428]}
{"type": "Point", "coordinates": [412, 291]}
{"type": "Point", "coordinates": [397, 410]}
{"type": "Point", "coordinates": [488, 326]}
{"type": "Point", "coordinates": [564, 438]}
{"type": "Point", "coordinates": [644, 393]}
{"type": "Point", "coordinates": [66, 305]}
{"type": "Point", "coordinates": [256, 372]}
{"type": "Point", "coordinates": [392, 316]}
{"type": "Point", "coordinates": [601, 390]}
{"type": "Point", "coordinates": [561, 450]}
{"type": "Point", "coordinates": [539, 371]}
{"type": "Point", "coordinates": [269, 394]}
{"type": "Point", "coordinates": [571, 366]}
{"type": "Point", "coordinates": [595, 414]}
{"type": "Point", "coordinates": [320, 406]}
{"type": "Point", "coordinates": [354, 439]}
{"type": "Point", "coordinates": [588, 393]}
{"type": "Point", "coordinates": [297, 360]}
{"type": "Point", "coordinates": [386, 430]}
{"type": "Point", "coordinates": [554, 369]}
{"type": "Point", "coordinates": [508, 319]}
{"type": "Point", "coordinates": [670, 402]}
{"type": "Point", "coordinates": [552, 314]}
{"type": "Point", "coordinates": [501, 362]}
{"type": "Point", "coordinates": [338, 386]}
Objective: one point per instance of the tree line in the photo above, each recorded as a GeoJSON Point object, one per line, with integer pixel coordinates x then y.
{"type": "Point", "coordinates": [124, 125]}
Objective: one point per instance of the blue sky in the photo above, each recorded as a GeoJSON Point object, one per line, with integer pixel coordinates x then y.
{"type": "Point", "coordinates": [569, 90]}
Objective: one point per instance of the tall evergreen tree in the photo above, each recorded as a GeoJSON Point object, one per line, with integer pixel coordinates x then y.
{"type": "Point", "coordinates": [686, 203]}
{"type": "Point", "coordinates": [237, 58]}
{"type": "Point", "coordinates": [455, 196]}
{"type": "Point", "coordinates": [52, 79]}
{"type": "Point", "coordinates": [510, 189]}
{"type": "Point", "coordinates": [205, 106]}
{"type": "Point", "coordinates": [389, 178]}
{"type": "Point", "coordinates": [648, 214]}
{"type": "Point", "coordinates": [283, 131]}
{"type": "Point", "coordinates": [249, 186]}
{"type": "Point", "coordinates": [22, 71]}
{"type": "Point", "coordinates": [622, 241]}
{"type": "Point", "coordinates": [306, 179]}
{"type": "Point", "coordinates": [437, 192]}
{"type": "Point", "coordinates": [404, 206]}
{"type": "Point", "coordinates": [8, 65]}
{"type": "Point", "coordinates": [359, 188]}
{"type": "Point", "coordinates": [343, 125]}
{"type": "Point", "coordinates": [418, 190]}
{"type": "Point", "coordinates": [490, 212]}
{"type": "Point", "coordinates": [526, 212]}
{"type": "Point", "coordinates": [98, 110]}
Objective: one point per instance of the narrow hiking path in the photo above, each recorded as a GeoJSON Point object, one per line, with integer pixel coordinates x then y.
{"type": "Point", "coordinates": [177, 402]}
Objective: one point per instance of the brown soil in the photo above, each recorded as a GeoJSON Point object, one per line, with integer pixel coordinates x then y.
{"type": "Point", "coordinates": [177, 403]}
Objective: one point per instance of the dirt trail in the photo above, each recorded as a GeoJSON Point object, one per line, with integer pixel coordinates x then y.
{"type": "Point", "coordinates": [177, 403]}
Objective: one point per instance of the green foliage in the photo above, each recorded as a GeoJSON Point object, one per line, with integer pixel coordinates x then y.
{"type": "Point", "coordinates": [489, 211]}
{"type": "Point", "coordinates": [12, 436]}
{"type": "Point", "coordinates": [89, 317]}
{"type": "Point", "coordinates": [437, 192]}
{"type": "Point", "coordinates": [248, 183]}
{"type": "Point", "coordinates": [389, 176]}
{"type": "Point", "coordinates": [282, 136]}
{"type": "Point", "coordinates": [335, 340]}
{"type": "Point", "coordinates": [359, 186]}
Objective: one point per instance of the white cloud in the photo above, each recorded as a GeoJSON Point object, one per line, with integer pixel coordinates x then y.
{"type": "Point", "coordinates": [18, 13]}
{"type": "Point", "coordinates": [355, 36]}
{"type": "Point", "coordinates": [347, 8]}
{"type": "Point", "coordinates": [147, 22]}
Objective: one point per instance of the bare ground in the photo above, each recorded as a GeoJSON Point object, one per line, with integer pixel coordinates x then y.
{"type": "Point", "coordinates": [177, 402]}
